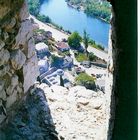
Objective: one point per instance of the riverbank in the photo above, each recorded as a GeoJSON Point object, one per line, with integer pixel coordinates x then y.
{"type": "Point", "coordinates": [81, 7]}
{"type": "Point", "coordinates": [58, 36]}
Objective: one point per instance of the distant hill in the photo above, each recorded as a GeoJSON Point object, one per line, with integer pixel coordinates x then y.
{"type": "Point", "coordinates": [97, 8]}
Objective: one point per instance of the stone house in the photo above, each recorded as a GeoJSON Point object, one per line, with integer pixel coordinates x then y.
{"type": "Point", "coordinates": [42, 50]}
{"type": "Point", "coordinates": [43, 66]}
{"type": "Point", "coordinates": [62, 46]}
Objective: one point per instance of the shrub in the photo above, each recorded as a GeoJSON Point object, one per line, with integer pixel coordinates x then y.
{"type": "Point", "coordinates": [86, 80]}
{"type": "Point", "coordinates": [91, 56]}
{"type": "Point", "coordinates": [81, 57]}
{"type": "Point", "coordinates": [44, 18]}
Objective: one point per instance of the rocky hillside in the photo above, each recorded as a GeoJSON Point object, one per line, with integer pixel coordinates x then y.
{"type": "Point", "coordinates": [25, 113]}
{"type": "Point", "coordinates": [78, 113]}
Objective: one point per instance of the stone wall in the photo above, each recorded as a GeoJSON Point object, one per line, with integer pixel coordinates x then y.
{"type": "Point", "coordinates": [122, 69]}
{"type": "Point", "coordinates": [110, 77]}
{"type": "Point", "coordinates": [18, 61]}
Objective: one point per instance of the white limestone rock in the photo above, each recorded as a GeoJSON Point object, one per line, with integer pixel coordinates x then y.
{"type": "Point", "coordinates": [17, 59]}
{"type": "Point", "coordinates": [31, 48]}
{"type": "Point", "coordinates": [14, 83]}
{"type": "Point", "coordinates": [30, 72]}
{"type": "Point", "coordinates": [1, 84]}
{"type": "Point", "coordinates": [4, 56]}
{"type": "Point", "coordinates": [2, 44]}
{"type": "Point", "coordinates": [96, 103]}
{"type": "Point", "coordinates": [6, 36]}
{"type": "Point", "coordinates": [11, 99]}
{"type": "Point", "coordinates": [3, 95]}
{"type": "Point", "coordinates": [24, 34]}
{"type": "Point", "coordinates": [24, 14]}
{"type": "Point", "coordinates": [83, 101]}
{"type": "Point", "coordinates": [5, 68]}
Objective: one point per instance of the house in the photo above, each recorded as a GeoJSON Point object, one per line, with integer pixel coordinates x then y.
{"type": "Point", "coordinates": [67, 62]}
{"type": "Point", "coordinates": [63, 62]}
{"type": "Point", "coordinates": [62, 46]}
{"type": "Point", "coordinates": [86, 64]}
{"type": "Point", "coordinates": [42, 50]}
{"type": "Point", "coordinates": [54, 78]}
{"type": "Point", "coordinates": [43, 66]}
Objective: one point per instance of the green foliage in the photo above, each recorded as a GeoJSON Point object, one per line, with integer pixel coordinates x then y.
{"type": "Point", "coordinates": [34, 6]}
{"type": "Point", "coordinates": [86, 39]}
{"type": "Point", "coordinates": [92, 42]}
{"type": "Point", "coordinates": [86, 80]}
{"type": "Point", "coordinates": [94, 45]}
{"type": "Point", "coordinates": [43, 18]}
{"type": "Point", "coordinates": [74, 40]}
{"type": "Point", "coordinates": [54, 58]}
{"type": "Point", "coordinates": [100, 47]}
{"type": "Point", "coordinates": [100, 9]}
{"type": "Point", "coordinates": [65, 53]}
{"type": "Point", "coordinates": [41, 31]}
{"type": "Point", "coordinates": [81, 57]}
{"type": "Point", "coordinates": [91, 56]}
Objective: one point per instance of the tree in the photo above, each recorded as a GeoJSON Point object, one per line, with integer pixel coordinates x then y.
{"type": "Point", "coordinates": [61, 81]}
{"type": "Point", "coordinates": [86, 40]}
{"type": "Point", "coordinates": [43, 18]}
{"type": "Point", "coordinates": [74, 40]}
{"type": "Point", "coordinates": [91, 56]}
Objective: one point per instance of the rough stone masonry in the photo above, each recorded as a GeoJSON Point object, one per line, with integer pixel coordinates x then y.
{"type": "Point", "coordinates": [18, 61]}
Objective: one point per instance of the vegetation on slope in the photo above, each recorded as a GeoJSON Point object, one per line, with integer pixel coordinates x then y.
{"type": "Point", "coordinates": [100, 9]}
{"type": "Point", "coordinates": [80, 57]}
{"type": "Point", "coordinates": [86, 80]}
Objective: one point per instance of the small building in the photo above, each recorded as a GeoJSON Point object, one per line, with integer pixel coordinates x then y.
{"type": "Point", "coordinates": [42, 50]}
{"type": "Point", "coordinates": [43, 66]}
{"type": "Point", "coordinates": [67, 62]}
{"type": "Point", "coordinates": [86, 64]}
{"type": "Point", "coordinates": [62, 46]}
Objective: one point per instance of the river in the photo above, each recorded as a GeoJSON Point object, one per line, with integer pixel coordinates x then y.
{"type": "Point", "coordinates": [74, 20]}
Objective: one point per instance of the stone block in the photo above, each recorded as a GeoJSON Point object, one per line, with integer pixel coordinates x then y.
{"type": "Point", "coordinates": [4, 56]}
{"type": "Point", "coordinates": [17, 59]}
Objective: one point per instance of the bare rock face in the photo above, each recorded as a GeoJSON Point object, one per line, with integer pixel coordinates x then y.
{"type": "Point", "coordinates": [30, 72]}
{"type": "Point", "coordinates": [2, 44]}
{"type": "Point", "coordinates": [32, 119]}
{"type": "Point", "coordinates": [25, 32]}
{"type": "Point", "coordinates": [18, 60]}
{"type": "Point", "coordinates": [4, 56]}
{"type": "Point", "coordinates": [77, 113]}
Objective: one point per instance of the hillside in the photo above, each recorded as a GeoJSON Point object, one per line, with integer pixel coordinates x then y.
{"type": "Point", "coordinates": [97, 8]}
